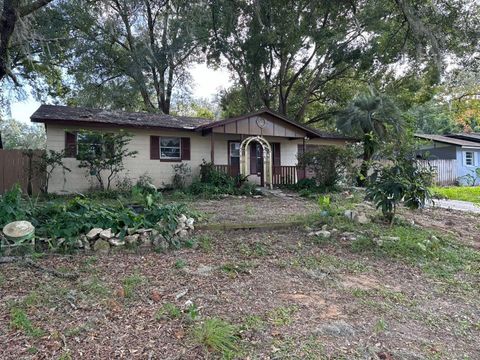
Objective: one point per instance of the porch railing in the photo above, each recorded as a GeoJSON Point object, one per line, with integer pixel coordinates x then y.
{"type": "Point", "coordinates": [282, 175]}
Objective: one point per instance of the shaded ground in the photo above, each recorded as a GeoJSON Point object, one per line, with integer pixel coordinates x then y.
{"type": "Point", "coordinates": [255, 210]}
{"type": "Point", "coordinates": [291, 297]}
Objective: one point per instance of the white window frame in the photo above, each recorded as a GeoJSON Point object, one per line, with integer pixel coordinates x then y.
{"type": "Point", "coordinates": [472, 158]}
{"type": "Point", "coordinates": [179, 147]}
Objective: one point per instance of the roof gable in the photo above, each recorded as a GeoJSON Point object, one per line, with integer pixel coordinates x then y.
{"type": "Point", "coordinates": [448, 140]}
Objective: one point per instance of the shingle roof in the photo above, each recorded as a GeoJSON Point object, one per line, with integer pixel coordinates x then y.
{"type": "Point", "coordinates": [475, 137]}
{"type": "Point", "coordinates": [135, 119]}
{"type": "Point", "coordinates": [57, 113]}
{"type": "Point", "coordinates": [448, 140]}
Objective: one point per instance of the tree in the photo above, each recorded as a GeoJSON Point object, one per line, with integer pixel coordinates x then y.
{"type": "Point", "coordinates": [48, 162]}
{"type": "Point", "coordinates": [14, 15]}
{"type": "Point", "coordinates": [132, 54]}
{"type": "Point", "coordinates": [102, 154]}
{"type": "Point", "coordinates": [373, 118]}
{"type": "Point", "coordinates": [19, 135]}
{"type": "Point", "coordinates": [284, 54]}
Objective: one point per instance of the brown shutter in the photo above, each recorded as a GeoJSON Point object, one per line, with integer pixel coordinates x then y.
{"type": "Point", "coordinates": [276, 158]}
{"type": "Point", "coordinates": [154, 148]}
{"type": "Point", "coordinates": [300, 169]}
{"type": "Point", "coordinates": [70, 144]}
{"type": "Point", "coordinates": [185, 148]}
{"type": "Point", "coordinates": [253, 158]}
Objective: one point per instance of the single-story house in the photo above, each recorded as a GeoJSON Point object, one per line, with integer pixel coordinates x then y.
{"type": "Point", "coordinates": [263, 144]}
{"type": "Point", "coordinates": [462, 149]}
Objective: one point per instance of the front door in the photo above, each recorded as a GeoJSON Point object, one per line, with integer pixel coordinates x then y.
{"type": "Point", "coordinates": [234, 161]}
{"type": "Point", "coordinates": [256, 161]}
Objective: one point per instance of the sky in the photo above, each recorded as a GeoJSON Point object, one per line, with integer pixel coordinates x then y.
{"type": "Point", "coordinates": [207, 83]}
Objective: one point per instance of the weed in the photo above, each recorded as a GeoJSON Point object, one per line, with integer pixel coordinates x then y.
{"type": "Point", "coordinates": [218, 336]}
{"type": "Point", "coordinates": [180, 264]}
{"type": "Point", "coordinates": [253, 322]}
{"type": "Point", "coordinates": [20, 321]}
{"type": "Point", "coordinates": [234, 270]}
{"type": "Point", "coordinates": [380, 326]}
{"type": "Point", "coordinates": [95, 287]}
{"type": "Point", "coordinates": [131, 283]}
{"type": "Point", "coordinates": [205, 242]}
{"type": "Point", "coordinates": [169, 311]}
{"type": "Point", "coordinates": [32, 299]}
{"type": "Point", "coordinates": [291, 348]}
{"type": "Point", "coordinates": [282, 315]}
{"type": "Point", "coordinates": [192, 312]}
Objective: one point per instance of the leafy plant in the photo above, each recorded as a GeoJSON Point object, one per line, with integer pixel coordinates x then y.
{"type": "Point", "coordinates": [329, 164]}
{"type": "Point", "coordinates": [405, 181]}
{"type": "Point", "coordinates": [103, 153]}
{"type": "Point", "coordinates": [20, 321]}
{"type": "Point", "coordinates": [472, 178]}
{"type": "Point", "coordinates": [11, 206]}
{"type": "Point", "coordinates": [182, 173]}
{"type": "Point", "coordinates": [217, 335]}
{"type": "Point", "coordinates": [47, 163]}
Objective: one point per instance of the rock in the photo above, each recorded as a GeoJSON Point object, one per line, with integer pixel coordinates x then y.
{"type": "Point", "coordinates": [155, 296]}
{"type": "Point", "coordinates": [131, 239]}
{"type": "Point", "coordinates": [324, 227]}
{"type": "Point", "coordinates": [79, 244]}
{"type": "Point", "coordinates": [86, 245]}
{"type": "Point", "coordinates": [337, 328]}
{"type": "Point", "coordinates": [348, 236]}
{"type": "Point", "coordinates": [131, 231]}
{"type": "Point", "coordinates": [182, 219]}
{"type": "Point", "coordinates": [183, 233]}
{"type": "Point", "coordinates": [116, 242]}
{"type": "Point", "coordinates": [204, 270]}
{"type": "Point", "coordinates": [93, 234]}
{"type": "Point", "coordinates": [390, 238]}
{"type": "Point", "coordinates": [101, 246]}
{"type": "Point", "coordinates": [60, 241]}
{"type": "Point", "coordinates": [160, 243]}
{"type": "Point", "coordinates": [181, 294]}
{"type": "Point", "coordinates": [349, 214]}
{"type": "Point", "coordinates": [324, 234]}
{"type": "Point", "coordinates": [361, 218]}
{"type": "Point", "coordinates": [106, 234]}
{"type": "Point", "coordinates": [189, 223]}
{"type": "Point", "coordinates": [257, 196]}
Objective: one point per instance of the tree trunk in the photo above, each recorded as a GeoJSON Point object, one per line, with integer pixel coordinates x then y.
{"type": "Point", "coordinates": [8, 20]}
{"type": "Point", "coordinates": [368, 150]}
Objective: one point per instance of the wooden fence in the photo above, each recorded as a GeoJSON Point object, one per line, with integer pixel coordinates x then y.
{"type": "Point", "coordinates": [445, 170]}
{"type": "Point", "coordinates": [15, 166]}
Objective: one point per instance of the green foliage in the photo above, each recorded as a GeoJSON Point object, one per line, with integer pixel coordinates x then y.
{"type": "Point", "coordinates": [20, 135]}
{"type": "Point", "coordinates": [169, 311]}
{"type": "Point", "coordinates": [145, 192]}
{"type": "Point", "coordinates": [11, 206]}
{"type": "Point", "coordinates": [180, 263]}
{"type": "Point", "coordinates": [218, 336]}
{"type": "Point", "coordinates": [472, 178]}
{"type": "Point", "coordinates": [182, 173]}
{"type": "Point", "coordinates": [20, 321]}
{"type": "Point", "coordinates": [405, 181]}
{"type": "Point", "coordinates": [103, 154]}
{"type": "Point", "coordinates": [48, 162]}
{"type": "Point", "coordinates": [213, 183]}
{"type": "Point", "coordinates": [131, 283]}
{"type": "Point", "coordinates": [329, 165]}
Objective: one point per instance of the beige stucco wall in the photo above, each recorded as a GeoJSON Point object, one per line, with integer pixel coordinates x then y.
{"type": "Point", "coordinates": [160, 172]}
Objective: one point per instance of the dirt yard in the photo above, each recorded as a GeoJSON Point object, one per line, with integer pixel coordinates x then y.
{"type": "Point", "coordinates": [290, 296]}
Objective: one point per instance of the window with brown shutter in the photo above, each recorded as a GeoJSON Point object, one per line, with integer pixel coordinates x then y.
{"type": "Point", "coordinates": [154, 148]}
{"type": "Point", "coordinates": [185, 148]}
{"type": "Point", "coordinates": [70, 144]}
{"type": "Point", "coordinates": [276, 158]}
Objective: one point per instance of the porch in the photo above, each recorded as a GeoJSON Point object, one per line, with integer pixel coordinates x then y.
{"type": "Point", "coordinates": [282, 175]}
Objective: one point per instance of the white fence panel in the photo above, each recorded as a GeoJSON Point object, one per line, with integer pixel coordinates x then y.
{"type": "Point", "coordinates": [445, 170]}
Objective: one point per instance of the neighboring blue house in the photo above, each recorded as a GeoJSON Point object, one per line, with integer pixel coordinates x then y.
{"type": "Point", "coordinates": [464, 148]}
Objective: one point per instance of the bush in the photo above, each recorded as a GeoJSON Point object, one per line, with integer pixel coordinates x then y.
{"type": "Point", "coordinates": [405, 181]}
{"type": "Point", "coordinates": [329, 164]}
{"type": "Point", "coordinates": [11, 206]}
{"type": "Point", "coordinates": [219, 336]}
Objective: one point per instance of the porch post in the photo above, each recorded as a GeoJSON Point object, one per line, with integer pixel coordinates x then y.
{"type": "Point", "coordinates": [212, 148]}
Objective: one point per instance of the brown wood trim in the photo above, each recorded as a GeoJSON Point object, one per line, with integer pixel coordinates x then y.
{"type": "Point", "coordinates": [170, 160]}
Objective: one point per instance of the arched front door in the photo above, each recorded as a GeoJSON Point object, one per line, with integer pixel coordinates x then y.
{"type": "Point", "coordinates": [267, 158]}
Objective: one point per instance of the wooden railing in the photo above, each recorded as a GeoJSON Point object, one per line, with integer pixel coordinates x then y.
{"type": "Point", "coordinates": [284, 175]}
{"type": "Point", "coordinates": [222, 168]}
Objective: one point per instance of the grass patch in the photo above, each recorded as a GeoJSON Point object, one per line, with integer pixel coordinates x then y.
{"type": "Point", "coordinates": [217, 335]}
{"type": "Point", "coordinates": [95, 287]}
{"type": "Point", "coordinates": [282, 315]}
{"type": "Point", "coordinates": [329, 263]}
{"type": "Point", "coordinates": [168, 311]}
{"type": "Point", "coordinates": [131, 284]}
{"type": "Point", "coordinates": [180, 264]}
{"type": "Point", "coordinates": [464, 193]}
{"type": "Point", "coordinates": [236, 269]}
{"type": "Point", "coordinates": [20, 321]}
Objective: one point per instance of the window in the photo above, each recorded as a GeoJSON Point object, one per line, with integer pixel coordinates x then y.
{"type": "Point", "coordinates": [235, 149]}
{"type": "Point", "coordinates": [89, 144]}
{"type": "Point", "coordinates": [170, 148]}
{"type": "Point", "coordinates": [469, 158]}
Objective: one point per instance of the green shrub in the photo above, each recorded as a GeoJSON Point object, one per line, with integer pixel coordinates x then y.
{"type": "Point", "coordinates": [11, 206]}
{"type": "Point", "coordinates": [218, 336]}
{"type": "Point", "coordinates": [405, 181]}
{"type": "Point", "coordinates": [329, 164]}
